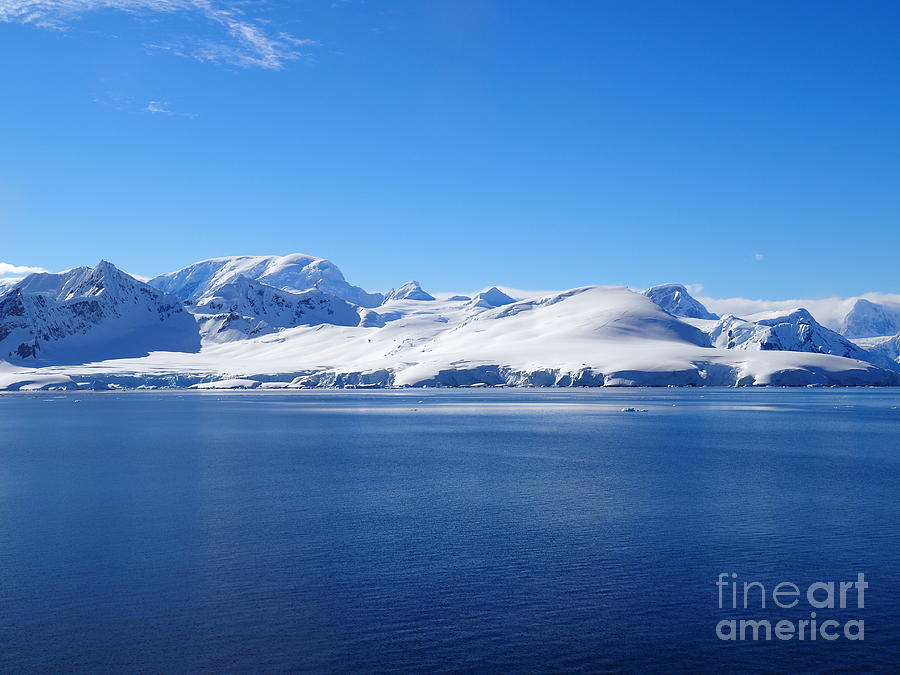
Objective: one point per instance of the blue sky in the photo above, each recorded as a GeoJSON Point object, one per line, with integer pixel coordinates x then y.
{"type": "Point", "coordinates": [752, 147]}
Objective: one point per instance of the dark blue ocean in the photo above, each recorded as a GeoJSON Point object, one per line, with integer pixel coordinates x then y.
{"type": "Point", "coordinates": [441, 531]}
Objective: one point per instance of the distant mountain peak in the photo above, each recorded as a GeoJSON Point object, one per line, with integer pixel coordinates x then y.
{"type": "Point", "coordinates": [870, 319]}
{"type": "Point", "coordinates": [491, 297]}
{"type": "Point", "coordinates": [677, 301]}
{"type": "Point", "coordinates": [411, 290]}
{"type": "Point", "coordinates": [798, 315]}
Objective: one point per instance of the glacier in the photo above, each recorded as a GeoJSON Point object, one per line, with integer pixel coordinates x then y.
{"type": "Point", "coordinates": [249, 322]}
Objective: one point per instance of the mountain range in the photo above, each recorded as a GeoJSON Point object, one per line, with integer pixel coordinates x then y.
{"type": "Point", "coordinates": [294, 321]}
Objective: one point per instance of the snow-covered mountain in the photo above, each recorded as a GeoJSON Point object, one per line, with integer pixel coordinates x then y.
{"type": "Point", "coordinates": [296, 272]}
{"type": "Point", "coordinates": [675, 299]}
{"type": "Point", "coordinates": [288, 323]}
{"type": "Point", "coordinates": [242, 308]}
{"type": "Point", "coordinates": [869, 315]}
{"type": "Point", "coordinates": [411, 290]}
{"type": "Point", "coordinates": [490, 298]}
{"type": "Point", "coordinates": [87, 314]}
{"type": "Point", "coordinates": [794, 331]}
{"type": "Point", "coordinates": [871, 319]}
{"type": "Point", "coordinates": [884, 349]}
{"type": "Point", "coordinates": [592, 336]}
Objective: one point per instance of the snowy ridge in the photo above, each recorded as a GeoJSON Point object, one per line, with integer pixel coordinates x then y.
{"type": "Point", "coordinates": [99, 327]}
{"type": "Point", "coordinates": [243, 308]}
{"type": "Point", "coordinates": [296, 272]}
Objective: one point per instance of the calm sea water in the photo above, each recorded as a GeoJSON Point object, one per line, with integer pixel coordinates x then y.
{"type": "Point", "coordinates": [513, 531]}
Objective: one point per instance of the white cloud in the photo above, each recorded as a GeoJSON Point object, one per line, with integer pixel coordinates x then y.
{"type": "Point", "coordinates": [158, 107]}
{"type": "Point", "coordinates": [759, 256]}
{"type": "Point", "coordinates": [240, 41]}
{"type": "Point", "coordinates": [7, 269]}
{"type": "Point", "coordinates": [162, 108]}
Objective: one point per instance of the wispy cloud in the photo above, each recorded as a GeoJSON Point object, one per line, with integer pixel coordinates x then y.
{"type": "Point", "coordinates": [162, 108]}
{"type": "Point", "coordinates": [8, 269]}
{"type": "Point", "coordinates": [759, 257]}
{"type": "Point", "coordinates": [115, 101]}
{"type": "Point", "coordinates": [238, 38]}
